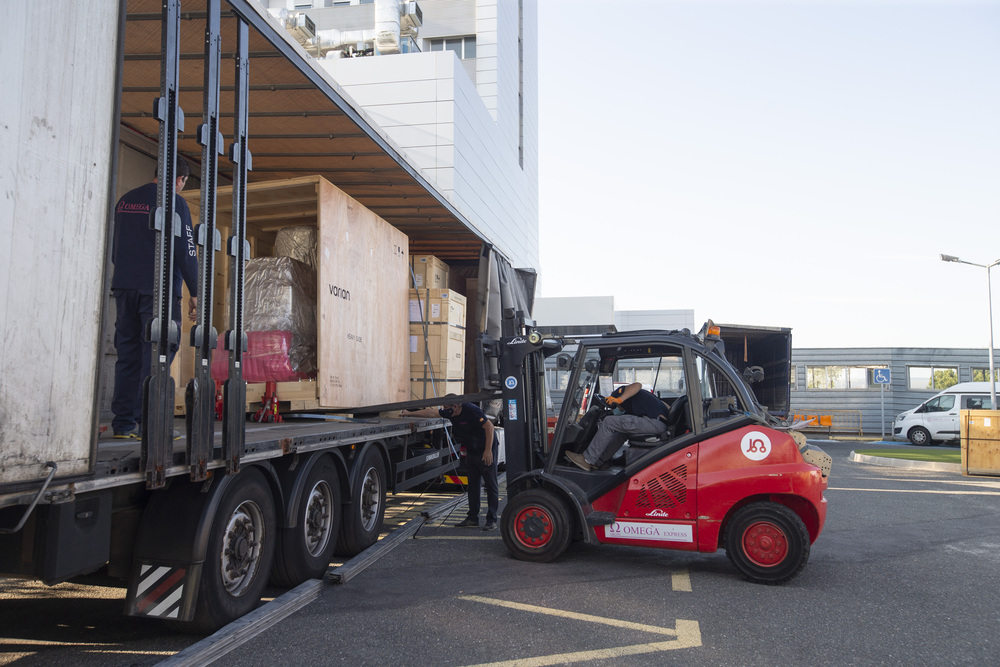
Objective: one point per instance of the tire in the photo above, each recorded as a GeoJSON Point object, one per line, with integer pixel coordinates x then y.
{"type": "Point", "coordinates": [363, 517]}
{"type": "Point", "coordinates": [535, 526]}
{"type": "Point", "coordinates": [767, 542]}
{"type": "Point", "coordinates": [240, 552]}
{"type": "Point", "coordinates": [919, 436]}
{"type": "Point", "coordinates": [304, 552]}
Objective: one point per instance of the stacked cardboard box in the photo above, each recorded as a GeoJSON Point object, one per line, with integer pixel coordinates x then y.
{"type": "Point", "coordinates": [429, 272]}
{"type": "Point", "coordinates": [437, 342]}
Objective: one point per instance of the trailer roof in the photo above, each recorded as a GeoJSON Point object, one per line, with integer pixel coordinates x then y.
{"type": "Point", "coordinates": [300, 122]}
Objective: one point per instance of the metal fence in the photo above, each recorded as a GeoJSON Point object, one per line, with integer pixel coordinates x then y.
{"type": "Point", "coordinates": [831, 421]}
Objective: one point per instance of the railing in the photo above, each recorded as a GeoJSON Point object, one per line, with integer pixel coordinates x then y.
{"type": "Point", "coordinates": [840, 421]}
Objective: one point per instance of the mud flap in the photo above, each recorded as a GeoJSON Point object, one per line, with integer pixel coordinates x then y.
{"type": "Point", "coordinates": [163, 590]}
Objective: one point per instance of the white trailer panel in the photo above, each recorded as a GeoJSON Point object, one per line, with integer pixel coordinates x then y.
{"type": "Point", "coordinates": [53, 218]}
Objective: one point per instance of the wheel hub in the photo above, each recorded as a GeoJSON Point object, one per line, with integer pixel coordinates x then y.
{"type": "Point", "coordinates": [533, 527]}
{"type": "Point", "coordinates": [765, 544]}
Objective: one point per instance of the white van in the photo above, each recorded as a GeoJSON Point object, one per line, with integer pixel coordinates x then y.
{"type": "Point", "coordinates": [936, 419]}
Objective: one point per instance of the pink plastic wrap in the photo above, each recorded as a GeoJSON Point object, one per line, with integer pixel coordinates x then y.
{"type": "Point", "coordinates": [266, 358]}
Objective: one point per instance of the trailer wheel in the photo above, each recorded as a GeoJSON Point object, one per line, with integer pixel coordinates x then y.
{"type": "Point", "coordinates": [240, 550]}
{"type": "Point", "coordinates": [304, 552]}
{"type": "Point", "coordinates": [535, 526]}
{"type": "Point", "coordinates": [919, 436]}
{"type": "Point", "coordinates": [767, 542]}
{"type": "Point", "coordinates": [363, 518]}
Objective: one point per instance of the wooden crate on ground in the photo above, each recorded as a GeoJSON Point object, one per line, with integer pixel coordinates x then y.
{"type": "Point", "coordinates": [980, 440]}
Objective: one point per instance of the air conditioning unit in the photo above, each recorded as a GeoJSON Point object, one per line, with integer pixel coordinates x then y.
{"type": "Point", "coordinates": [411, 17]}
{"type": "Point", "coordinates": [301, 27]}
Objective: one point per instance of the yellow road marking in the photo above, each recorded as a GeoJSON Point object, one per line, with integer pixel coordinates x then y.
{"type": "Point", "coordinates": [687, 635]}
{"type": "Point", "coordinates": [681, 581]}
{"type": "Point", "coordinates": [931, 491]}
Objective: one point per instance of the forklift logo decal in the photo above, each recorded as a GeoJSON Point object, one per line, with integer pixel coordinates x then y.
{"type": "Point", "coordinates": [518, 340]}
{"type": "Point", "coordinates": [658, 512]}
{"type": "Point", "coordinates": [756, 446]}
{"type": "Point", "coordinates": [659, 532]}
{"type": "Point", "coordinates": [511, 382]}
{"type": "Point", "coordinates": [159, 591]}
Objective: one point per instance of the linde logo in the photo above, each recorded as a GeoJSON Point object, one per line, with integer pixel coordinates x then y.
{"type": "Point", "coordinates": [340, 293]}
{"type": "Point", "coordinates": [658, 512]}
{"type": "Point", "coordinates": [519, 340]}
{"type": "Point", "coordinates": [659, 532]}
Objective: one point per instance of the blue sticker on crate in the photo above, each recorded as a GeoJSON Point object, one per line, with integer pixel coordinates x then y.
{"type": "Point", "coordinates": [512, 410]}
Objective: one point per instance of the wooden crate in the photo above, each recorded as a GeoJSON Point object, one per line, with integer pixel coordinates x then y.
{"type": "Point", "coordinates": [980, 440]}
{"type": "Point", "coordinates": [439, 347]}
{"type": "Point", "coordinates": [437, 305]}
{"type": "Point", "coordinates": [362, 283]}
{"type": "Point", "coordinates": [421, 388]}
{"type": "Point", "coordinates": [429, 272]}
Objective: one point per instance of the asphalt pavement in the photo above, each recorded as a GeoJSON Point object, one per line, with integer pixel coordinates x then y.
{"type": "Point", "coordinates": [905, 573]}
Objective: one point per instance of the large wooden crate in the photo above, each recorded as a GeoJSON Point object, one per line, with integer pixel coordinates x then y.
{"type": "Point", "coordinates": [980, 440]}
{"type": "Point", "coordinates": [362, 278]}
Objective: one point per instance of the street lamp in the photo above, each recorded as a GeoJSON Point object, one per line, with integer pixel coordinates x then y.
{"type": "Point", "coordinates": [989, 293]}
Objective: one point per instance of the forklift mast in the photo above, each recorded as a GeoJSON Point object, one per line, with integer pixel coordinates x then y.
{"type": "Point", "coordinates": [522, 377]}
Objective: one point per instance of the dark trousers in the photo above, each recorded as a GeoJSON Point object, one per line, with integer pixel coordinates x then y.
{"type": "Point", "coordinates": [134, 311]}
{"type": "Point", "coordinates": [478, 472]}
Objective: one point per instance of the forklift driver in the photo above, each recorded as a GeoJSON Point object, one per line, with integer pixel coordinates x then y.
{"type": "Point", "coordinates": [644, 414]}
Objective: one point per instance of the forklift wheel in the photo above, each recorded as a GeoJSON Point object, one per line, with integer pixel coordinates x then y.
{"type": "Point", "coordinates": [767, 542]}
{"type": "Point", "coordinates": [535, 526]}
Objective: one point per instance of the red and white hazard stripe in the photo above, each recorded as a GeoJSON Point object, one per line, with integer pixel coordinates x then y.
{"type": "Point", "coordinates": [159, 591]}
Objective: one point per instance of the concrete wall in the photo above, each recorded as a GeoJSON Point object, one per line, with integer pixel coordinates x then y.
{"type": "Point", "coordinates": [477, 141]}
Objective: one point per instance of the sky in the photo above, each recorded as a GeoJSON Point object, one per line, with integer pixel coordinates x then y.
{"type": "Point", "coordinates": [793, 163]}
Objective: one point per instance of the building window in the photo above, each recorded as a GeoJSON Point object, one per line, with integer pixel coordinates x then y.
{"type": "Point", "coordinates": [931, 378]}
{"type": "Point", "coordinates": [838, 377]}
{"type": "Point", "coordinates": [463, 47]}
{"type": "Point", "coordinates": [983, 374]}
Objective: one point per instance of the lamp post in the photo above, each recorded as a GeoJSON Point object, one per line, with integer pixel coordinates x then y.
{"type": "Point", "coordinates": [989, 293]}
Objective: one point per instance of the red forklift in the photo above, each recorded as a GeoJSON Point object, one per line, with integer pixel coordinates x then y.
{"type": "Point", "coordinates": [724, 474]}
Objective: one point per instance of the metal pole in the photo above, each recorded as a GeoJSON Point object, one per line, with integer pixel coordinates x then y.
{"type": "Point", "coordinates": [883, 411]}
{"type": "Point", "coordinates": [993, 385]}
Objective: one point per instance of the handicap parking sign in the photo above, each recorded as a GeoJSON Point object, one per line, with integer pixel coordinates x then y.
{"type": "Point", "coordinates": [882, 376]}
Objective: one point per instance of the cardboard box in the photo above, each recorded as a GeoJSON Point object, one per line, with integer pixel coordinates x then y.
{"type": "Point", "coordinates": [429, 272]}
{"type": "Point", "coordinates": [437, 305]}
{"type": "Point", "coordinates": [421, 388]}
{"type": "Point", "coordinates": [442, 351]}
{"type": "Point", "coordinates": [980, 441]}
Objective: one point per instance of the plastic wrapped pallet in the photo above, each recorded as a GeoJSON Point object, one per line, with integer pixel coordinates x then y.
{"type": "Point", "coordinates": [298, 243]}
{"type": "Point", "coordinates": [280, 295]}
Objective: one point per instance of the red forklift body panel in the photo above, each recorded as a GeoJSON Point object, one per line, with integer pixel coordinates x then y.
{"type": "Point", "coordinates": [657, 507]}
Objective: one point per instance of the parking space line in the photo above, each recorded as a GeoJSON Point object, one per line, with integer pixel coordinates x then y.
{"type": "Point", "coordinates": [687, 634]}
{"type": "Point", "coordinates": [681, 581]}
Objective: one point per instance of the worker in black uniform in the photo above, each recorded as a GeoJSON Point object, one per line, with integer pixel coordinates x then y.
{"type": "Point", "coordinates": [133, 254]}
{"type": "Point", "coordinates": [470, 427]}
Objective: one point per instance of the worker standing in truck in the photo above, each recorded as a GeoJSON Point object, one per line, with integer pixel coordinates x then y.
{"type": "Point", "coordinates": [471, 428]}
{"type": "Point", "coordinates": [133, 254]}
{"type": "Point", "coordinates": [643, 414]}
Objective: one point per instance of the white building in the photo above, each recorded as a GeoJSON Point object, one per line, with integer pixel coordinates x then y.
{"type": "Point", "coordinates": [456, 91]}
